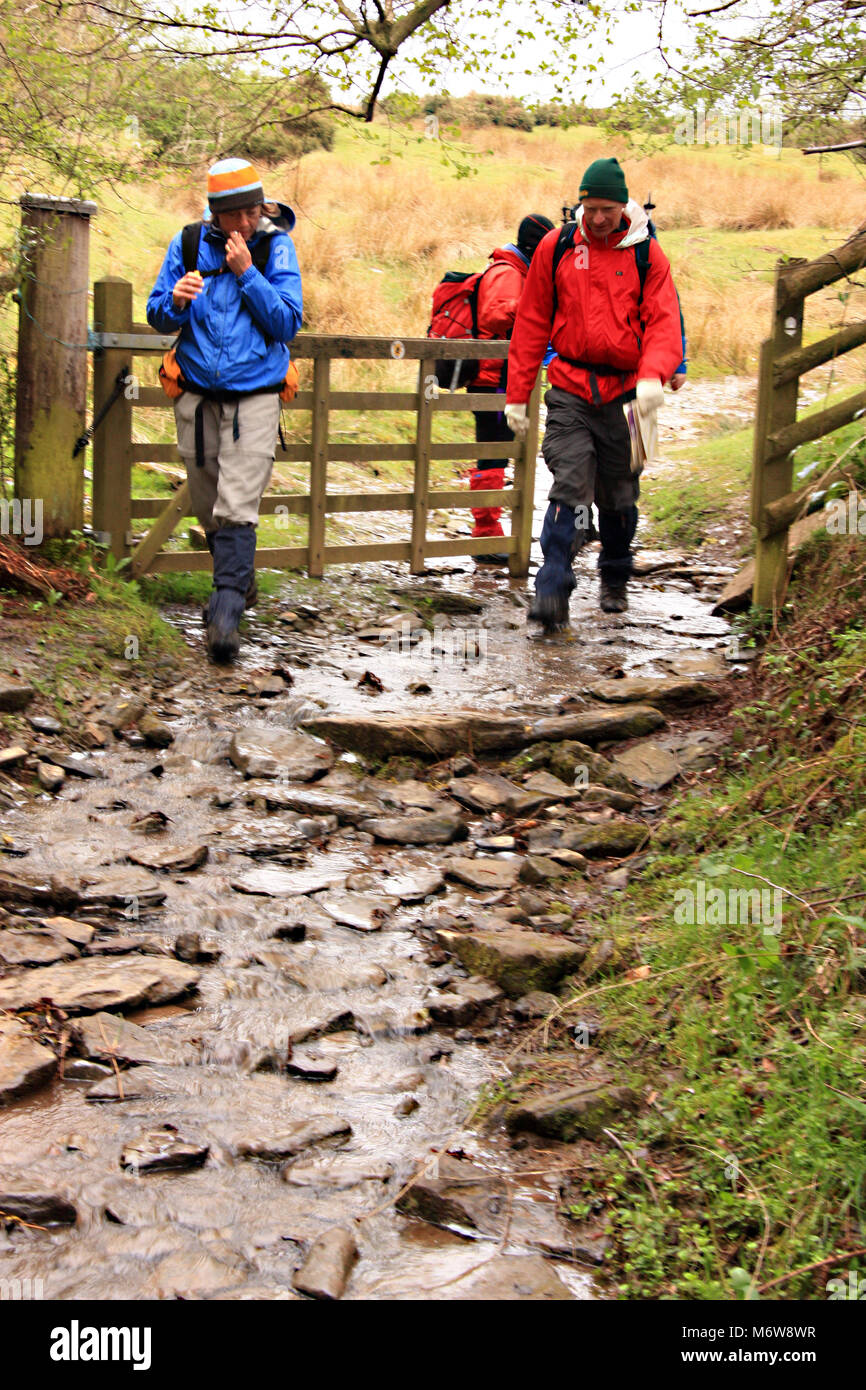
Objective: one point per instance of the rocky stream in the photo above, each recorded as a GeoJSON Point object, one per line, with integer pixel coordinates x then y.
{"type": "Point", "coordinates": [268, 932]}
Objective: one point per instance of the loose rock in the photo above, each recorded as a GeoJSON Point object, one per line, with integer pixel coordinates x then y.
{"type": "Point", "coordinates": [263, 750]}
{"type": "Point", "coordinates": [647, 765]}
{"type": "Point", "coordinates": [155, 731]}
{"type": "Point", "coordinates": [518, 961]}
{"type": "Point", "coordinates": [356, 910]}
{"type": "Point", "coordinates": [575, 1112]}
{"type": "Point", "coordinates": [163, 1149]}
{"type": "Point", "coordinates": [325, 1271]}
{"type": "Point", "coordinates": [662, 692]}
{"type": "Point", "coordinates": [416, 830]}
{"type": "Point", "coordinates": [32, 946]}
{"type": "Point", "coordinates": [14, 695]}
{"type": "Point", "coordinates": [109, 1035]}
{"type": "Point", "coordinates": [38, 1209]}
{"type": "Point", "coordinates": [51, 778]}
{"type": "Point", "coordinates": [615, 837]}
{"type": "Point", "coordinates": [178, 859]}
{"type": "Point", "coordinates": [302, 1135]}
{"type": "Point", "coordinates": [24, 1063]}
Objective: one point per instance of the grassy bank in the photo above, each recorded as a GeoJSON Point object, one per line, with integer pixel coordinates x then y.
{"type": "Point", "coordinates": [68, 650]}
{"type": "Point", "coordinates": [742, 1029]}
{"type": "Point", "coordinates": [708, 482]}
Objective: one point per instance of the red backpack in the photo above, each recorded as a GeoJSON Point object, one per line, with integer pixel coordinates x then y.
{"type": "Point", "coordinates": [455, 315]}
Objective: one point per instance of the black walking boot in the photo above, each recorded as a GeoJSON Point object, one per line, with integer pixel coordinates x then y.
{"type": "Point", "coordinates": [617, 532]}
{"type": "Point", "coordinates": [613, 597]}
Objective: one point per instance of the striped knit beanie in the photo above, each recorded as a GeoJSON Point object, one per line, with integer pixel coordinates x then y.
{"type": "Point", "coordinates": [231, 184]}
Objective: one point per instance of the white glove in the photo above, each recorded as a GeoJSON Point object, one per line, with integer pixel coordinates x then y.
{"type": "Point", "coordinates": [649, 394]}
{"type": "Point", "coordinates": [517, 420]}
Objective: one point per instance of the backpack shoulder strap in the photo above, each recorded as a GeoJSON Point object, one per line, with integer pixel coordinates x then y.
{"type": "Point", "coordinates": [190, 238]}
{"type": "Point", "coordinates": [564, 242]}
{"type": "Point", "coordinates": [642, 259]}
{"type": "Point", "coordinates": [261, 254]}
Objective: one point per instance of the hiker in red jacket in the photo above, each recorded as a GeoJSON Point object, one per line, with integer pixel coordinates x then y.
{"type": "Point", "coordinates": [615, 340]}
{"type": "Point", "coordinates": [498, 296]}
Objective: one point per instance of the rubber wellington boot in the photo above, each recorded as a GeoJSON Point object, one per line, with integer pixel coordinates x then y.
{"type": "Point", "coordinates": [555, 580]}
{"type": "Point", "coordinates": [486, 519]}
{"type": "Point", "coordinates": [233, 556]}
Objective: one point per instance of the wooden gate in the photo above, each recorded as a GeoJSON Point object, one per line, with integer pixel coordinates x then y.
{"type": "Point", "coordinates": [117, 340]}
{"type": "Point", "coordinates": [778, 432]}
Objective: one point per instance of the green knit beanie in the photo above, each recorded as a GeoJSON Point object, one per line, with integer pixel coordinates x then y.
{"type": "Point", "coordinates": [604, 179]}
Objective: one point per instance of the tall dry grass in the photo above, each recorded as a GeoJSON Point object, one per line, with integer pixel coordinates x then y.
{"type": "Point", "coordinates": [373, 238]}
{"type": "Point", "coordinates": [411, 220]}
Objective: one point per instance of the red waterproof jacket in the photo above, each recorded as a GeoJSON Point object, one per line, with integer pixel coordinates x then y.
{"type": "Point", "coordinates": [596, 316]}
{"type": "Point", "coordinates": [498, 296]}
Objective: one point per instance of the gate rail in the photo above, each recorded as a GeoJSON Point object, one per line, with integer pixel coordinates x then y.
{"type": "Point", "coordinates": [116, 339]}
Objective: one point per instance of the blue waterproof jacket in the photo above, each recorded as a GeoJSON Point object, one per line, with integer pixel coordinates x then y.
{"type": "Point", "coordinates": [233, 335]}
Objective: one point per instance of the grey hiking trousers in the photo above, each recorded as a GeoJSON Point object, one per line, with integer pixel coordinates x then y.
{"type": "Point", "coordinates": [227, 489]}
{"type": "Point", "coordinates": [588, 450]}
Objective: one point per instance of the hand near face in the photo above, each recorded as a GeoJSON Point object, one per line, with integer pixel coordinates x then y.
{"type": "Point", "coordinates": [238, 258]}
{"type": "Point", "coordinates": [187, 288]}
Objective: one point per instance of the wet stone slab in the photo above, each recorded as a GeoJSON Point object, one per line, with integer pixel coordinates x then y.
{"type": "Point", "coordinates": [21, 946]}
{"type": "Point", "coordinates": [89, 986]}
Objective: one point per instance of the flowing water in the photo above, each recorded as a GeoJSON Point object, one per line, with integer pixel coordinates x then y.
{"type": "Point", "coordinates": [402, 1087]}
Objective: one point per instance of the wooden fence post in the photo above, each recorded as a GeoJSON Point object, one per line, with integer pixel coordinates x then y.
{"type": "Point", "coordinates": [112, 442]}
{"type": "Point", "coordinates": [423, 436]}
{"type": "Point", "coordinates": [773, 473]}
{"type": "Point", "coordinates": [319, 466]}
{"type": "Point", "coordinates": [524, 482]}
{"type": "Point", "coordinates": [51, 396]}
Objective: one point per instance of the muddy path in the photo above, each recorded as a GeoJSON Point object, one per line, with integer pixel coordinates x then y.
{"type": "Point", "coordinates": [270, 1008]}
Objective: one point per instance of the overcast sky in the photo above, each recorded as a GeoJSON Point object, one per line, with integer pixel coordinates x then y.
{"type": "Point", "coordinates": [634, 49]}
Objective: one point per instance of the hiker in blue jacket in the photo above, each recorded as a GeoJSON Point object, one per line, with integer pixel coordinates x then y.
{"type": "Point", "coordinates": [234, 294]}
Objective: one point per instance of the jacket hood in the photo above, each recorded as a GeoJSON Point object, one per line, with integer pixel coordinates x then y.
{"type": "Point", "coordinates": [277, 217]}
{"type": "Point", "coordinates": [511, 256]}
{"type": "Point", "coordinates": [638, 224]}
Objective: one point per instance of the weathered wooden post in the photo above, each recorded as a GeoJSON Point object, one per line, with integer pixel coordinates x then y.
{"type": "Point", "coordinates": [772, 471]}
{"type": "Point", "coordinates": [112, 442]}
{"type": "Point", "coordinates": [319, 465]}
{"type": "Point", "coordinates": [52, 358]}
{"type": "Point", "coordinates": [421, 485]}
{"type": "Point", "coordinates": [524, 483]}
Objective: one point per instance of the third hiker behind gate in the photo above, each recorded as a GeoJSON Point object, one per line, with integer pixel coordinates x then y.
{"type": "Point", "coordinates": [498, 296]}
{"type": "Point", "coordinates": [600, 290]}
